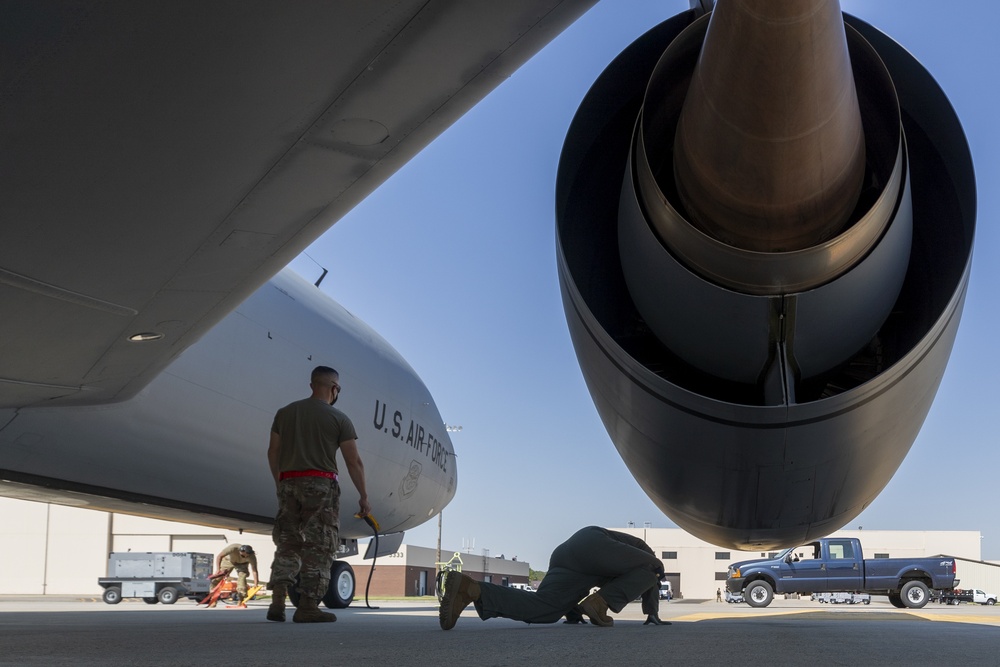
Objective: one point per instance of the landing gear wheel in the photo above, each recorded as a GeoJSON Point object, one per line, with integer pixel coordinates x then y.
{"type": "Point", "coordinates": [340, 594]}
{"type": "Point", "coordinates": [759, 593]}
{"type": "Point", "coordinates": [112, 595]}
{"type": "Point", "coordinates": [439, 584]}
{"type": "Point", "coordinates": [915, 594]}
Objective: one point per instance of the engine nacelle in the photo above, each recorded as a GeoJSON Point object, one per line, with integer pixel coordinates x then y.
{"type": "Point", "coordinates": [762, 398]}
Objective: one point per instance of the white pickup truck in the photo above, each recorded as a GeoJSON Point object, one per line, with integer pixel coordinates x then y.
{"type": "Point", "coordinates": [976, 596]}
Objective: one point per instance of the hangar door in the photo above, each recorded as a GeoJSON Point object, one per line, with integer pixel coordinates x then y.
{"type": "Point", "coordinates": [675, 584]}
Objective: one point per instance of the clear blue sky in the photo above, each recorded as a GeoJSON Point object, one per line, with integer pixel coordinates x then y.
{"type": "Point", "coordinates": [453, 262]}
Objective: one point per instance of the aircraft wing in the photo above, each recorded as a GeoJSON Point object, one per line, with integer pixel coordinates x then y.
{"type": "Point", "coordinates": [160, 161]}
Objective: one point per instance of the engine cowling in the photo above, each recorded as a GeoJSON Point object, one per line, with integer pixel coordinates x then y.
{"type": "Point", "coordinates": [762, 392]}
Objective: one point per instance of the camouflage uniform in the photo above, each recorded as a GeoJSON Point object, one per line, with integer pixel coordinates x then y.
{"type": "Point", "coordinates": [306, 533]}
{"type": "Point", "coordinates": [232, 559]}
{"type": "Point", "coordinates": [307, 527]}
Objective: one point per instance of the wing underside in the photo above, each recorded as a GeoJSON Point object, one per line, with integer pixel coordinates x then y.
{"type": "Point", "coordinates": [162, 160]}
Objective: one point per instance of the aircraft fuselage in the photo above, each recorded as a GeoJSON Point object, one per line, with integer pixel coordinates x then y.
{"type": "Point", "coordinates": [195, 439]}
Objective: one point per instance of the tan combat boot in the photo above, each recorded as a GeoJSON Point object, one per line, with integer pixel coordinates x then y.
{"type": "Point", "coordinates": [459, 592]}
{"type": "Point", "coordinates": [308, 612]}
{"type": "Point", "coordinates": [596, 609]}
{"type": "Point", "coordinates": [276, 612]}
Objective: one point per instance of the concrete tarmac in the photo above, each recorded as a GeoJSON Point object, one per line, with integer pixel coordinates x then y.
{"type": "Point", "coordinates": [46, 630]}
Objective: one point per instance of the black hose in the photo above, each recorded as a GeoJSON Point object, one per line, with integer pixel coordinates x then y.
{"type": "Point", "coordinates": [371, 523]}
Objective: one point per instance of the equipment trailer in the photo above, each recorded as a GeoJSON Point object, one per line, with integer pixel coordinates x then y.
{"type": "Point", "coordinates": [156, 577]}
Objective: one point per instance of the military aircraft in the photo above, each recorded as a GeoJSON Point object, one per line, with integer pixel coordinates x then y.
{"type": "Point", "coordinates": [161, 164]}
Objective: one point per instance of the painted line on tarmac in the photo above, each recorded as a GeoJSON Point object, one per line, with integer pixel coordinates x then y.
{"type": "Point", "coordinates": [959, 618]}
{"type": "Point", "coordinates": [716, 615]}
{"type": "Point", "coordinates": [927, 616]}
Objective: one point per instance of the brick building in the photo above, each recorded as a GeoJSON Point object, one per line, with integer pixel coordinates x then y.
{"type": "Point", "coordinates": [411, 571]}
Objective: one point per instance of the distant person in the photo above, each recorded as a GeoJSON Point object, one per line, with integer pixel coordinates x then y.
{"type": "Point", "coordinates": [718, 595]}
{"type": "Point", "coordinates": [622, 566]}
{"type": "Point", "coordinates": [239, 557]}
{"type": "Point", "coordinates": [305, 437]}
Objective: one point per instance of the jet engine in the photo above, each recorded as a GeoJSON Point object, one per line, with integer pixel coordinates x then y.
{"type": "Point", "coordinates": [765, 218]}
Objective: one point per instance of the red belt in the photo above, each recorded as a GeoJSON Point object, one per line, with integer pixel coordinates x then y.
{"type": "Point", "coordinates": [308, 473]}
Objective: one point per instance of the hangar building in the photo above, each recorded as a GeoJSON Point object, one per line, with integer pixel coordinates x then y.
{"type": "Point", "coordinates": [59, 550]}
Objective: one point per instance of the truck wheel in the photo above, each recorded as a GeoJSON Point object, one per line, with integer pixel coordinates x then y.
{"type": "Point", "coordinates": [759, 593]}
{"type": "Point", "coordinates": [150, 600]}
{"type": "Point", "coordinates": [167, 595]}
{"type": "Point", "coordinates": [914, 594]}
{"type": "Point", "coordinates": [341, 591]}
{"type": "Point", "coordinates": [112, 595]}
{"type": "Point", "coordinates": [991, 602]}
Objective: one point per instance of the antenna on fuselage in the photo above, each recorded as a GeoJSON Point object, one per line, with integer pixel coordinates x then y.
{"type": "Point", "coordinates": [313, 260]}
{"type": "Point", "coordinates": [320, 279]}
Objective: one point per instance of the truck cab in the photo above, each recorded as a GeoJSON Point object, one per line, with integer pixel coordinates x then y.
{"type": "Point", "coordinates": [832, 564]}
{"type": "Point", "coordinates": [981, 597]}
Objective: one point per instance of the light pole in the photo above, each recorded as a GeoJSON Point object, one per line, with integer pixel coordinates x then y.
{"type": "Point", "coordinates": [450, 429]}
